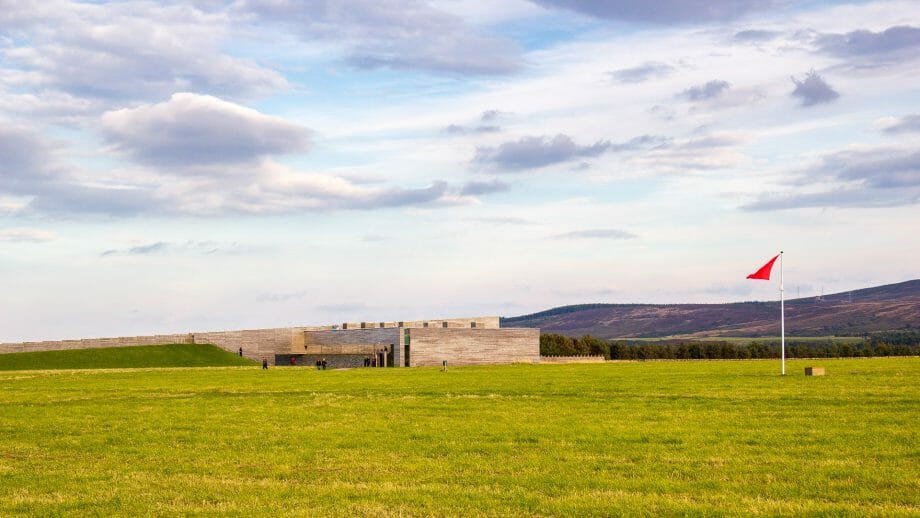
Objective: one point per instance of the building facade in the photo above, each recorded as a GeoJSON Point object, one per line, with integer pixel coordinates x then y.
{"type": "Point", "coordinates": [467, 341]}
{"type": "Point", "coordinates": [458, 341]}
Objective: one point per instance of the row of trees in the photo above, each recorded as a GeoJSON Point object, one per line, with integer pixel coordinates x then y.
{"type": "Point", "coordinates": [895, 338]}
{"type": "Point", "coordinates": [561, 345]}
{"type": "Point", "coordinates": [900, 343]}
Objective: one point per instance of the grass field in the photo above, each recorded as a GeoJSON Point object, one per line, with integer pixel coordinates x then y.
{"type": "Point", "coordinates": [746, 340]}
{"type": "Point", "coordinates": [688, 437]}
{"type": "Point", "coordinates": [174, 355]}
{"type": "Point", "coordinates": [789, 339]}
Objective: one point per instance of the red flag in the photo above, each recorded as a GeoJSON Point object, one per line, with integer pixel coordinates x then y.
{"type": "Point", "coordinates": [764, 272]}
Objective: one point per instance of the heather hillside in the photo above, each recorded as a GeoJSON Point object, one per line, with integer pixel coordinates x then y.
{"type": "Point", "coordinates": [854, 313]}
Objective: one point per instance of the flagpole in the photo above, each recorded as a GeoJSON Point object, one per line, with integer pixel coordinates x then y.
{"type": "Point", "coordinates": [782, 313]}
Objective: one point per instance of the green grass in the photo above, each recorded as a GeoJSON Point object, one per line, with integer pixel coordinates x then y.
{"type": "Point", "coordinates": [789, 339]}
{"type": "Point", "coordinates": [746, 340]}
{"type": "Point", "coordinates": [173, 355]}
{"type": "Point", "coordinates": [654, 438]}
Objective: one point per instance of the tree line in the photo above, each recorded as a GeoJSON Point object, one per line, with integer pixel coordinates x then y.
{"type": "Point", "coordinates": [888, 343]}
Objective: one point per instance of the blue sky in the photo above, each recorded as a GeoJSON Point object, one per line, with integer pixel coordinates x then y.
{"type": "Point", "coordinates": [170, 167]}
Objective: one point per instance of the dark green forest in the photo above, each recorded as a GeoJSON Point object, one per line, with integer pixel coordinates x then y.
{"type": "Point", "coordinates": [887, 343]}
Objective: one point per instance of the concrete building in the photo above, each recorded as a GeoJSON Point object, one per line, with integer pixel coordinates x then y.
{"type": "Point", "coordinates": [468, 341]}
{"type": "Point", "coordinates": [458, 341]}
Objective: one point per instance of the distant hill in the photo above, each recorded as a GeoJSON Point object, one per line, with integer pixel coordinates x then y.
{"type": "Point", "coordinates": [175, 355]}
{"type": "Point", "coordinates": [882, 308]}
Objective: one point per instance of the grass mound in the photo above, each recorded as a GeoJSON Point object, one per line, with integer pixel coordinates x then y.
{"type": "Point", "coordinates": [172, 355]}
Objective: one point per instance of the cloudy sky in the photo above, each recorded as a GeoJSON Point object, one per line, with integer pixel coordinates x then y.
{"type": "Point", "coordinates": [172, 167]}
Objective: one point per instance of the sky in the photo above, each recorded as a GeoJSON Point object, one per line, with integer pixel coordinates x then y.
{"type": "Point", "coordinates": [194, 166]}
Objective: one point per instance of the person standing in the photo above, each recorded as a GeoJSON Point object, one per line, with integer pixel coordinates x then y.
{"type": "Point", "coordinates": [241, 352]}
{"type": "Point", "coordinates": [264, 363]}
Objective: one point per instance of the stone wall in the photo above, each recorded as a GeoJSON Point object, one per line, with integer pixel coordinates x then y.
{"type": "Point", "coordinates": [459, 342]}
{"type": "Point", "coordinates": [431, 346]}
{"type": "Point", "coordinates": [358, 342]}
{"type": "Point", "coordinates": [256, 343]}
{"type": "Point", "coordinates": [96, 343]}
{"type": "Point", "coordinates": [374, 336]}
{"type": "Point", "coordinates": [480, 323]}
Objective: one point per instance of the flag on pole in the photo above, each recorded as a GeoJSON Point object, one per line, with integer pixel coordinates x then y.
{"type": "Point", "coordinates": [764, 272]}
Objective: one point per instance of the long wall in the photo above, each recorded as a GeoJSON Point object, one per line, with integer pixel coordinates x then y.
{"type": "Point", "coordinates": [315, 341]}
{"type": "Point", "coordinates": [256, 343]}
{"type": "Point", "coordinates": [359, 342]}
{"type": "Point", "coordinates": [480, 323]}
{"type": "Point", "coordinates": [431, 346]}
{"type": "Point", "coordinates": [458, 342]}
{"type": "Point", "coordinates": [96, 343]}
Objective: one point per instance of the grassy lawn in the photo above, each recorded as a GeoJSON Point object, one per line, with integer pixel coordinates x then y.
{"type": "Point", "coordinates": [789, 339]}
{"type": "Point", "coordinates": [746, 340]}
{"type": "Point", "coordinates": [174, 355]}
{"type": "Point", "coordinates": [701, 438]}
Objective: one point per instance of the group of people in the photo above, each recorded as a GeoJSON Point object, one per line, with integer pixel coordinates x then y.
{"type": "Point", "coordinates": [377, 360]}
{"type": "Point", "coordinates": [320, 364]}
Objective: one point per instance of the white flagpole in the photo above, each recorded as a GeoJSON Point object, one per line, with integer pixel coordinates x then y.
{"type": "Point", "coordinates": [782, 313]}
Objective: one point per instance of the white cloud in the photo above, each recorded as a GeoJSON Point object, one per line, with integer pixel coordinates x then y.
{"type": "Point", "coordinates": [893, 40]}
{"type": "Point", "coordinates": [127, 50]}
{"type": "Point", "coordinates": [813, 89]}
{"type": "Point", "coordinates": [754, 36]}
{"type": "Point", "coordinates": [536, 152]}
{"type": "Point", "coordinates": [26, 235]}
{"type": "Point", "coordinates": [195, 155]}
{"type": "Point", "coordinates": [643, 72]}
{"type": "Point", "coordinates": [597, 233]}
{"type": "Point", "coordinates": [871, 177]}
{"type": "Point", "coordinates": [710, 90]}
{"type": "Point", "coordinates": [664, 11]}
{"type": "Point", "coordinates": [23, 159]}
{"type": "Point", "coordinates": [188, 247]}
{"type": "Point", "coordinates": [407, 35]}
{"type": "Point", "coordinates": [486, 187]}
{"type": "Point", "coordinates": [909, 123]}
{"type": "Point", "coordinates": [190, 129]}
